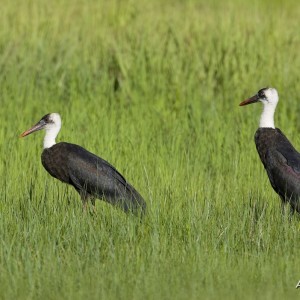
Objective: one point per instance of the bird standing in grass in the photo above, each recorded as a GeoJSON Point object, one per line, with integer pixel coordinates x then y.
{"type": "Point", "coordinates": [279, 157]}
{"type": "Point", "coordinates": [90, 175]}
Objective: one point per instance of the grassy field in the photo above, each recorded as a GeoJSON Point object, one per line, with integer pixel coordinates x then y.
{"type": "Point", "coordinates": [153, 87]}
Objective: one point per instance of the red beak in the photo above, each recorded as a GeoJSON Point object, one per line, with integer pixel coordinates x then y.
{"type": "Point", "coordinates": [38, 126]}
{"type": "Point", "coordinates": [251, 100]}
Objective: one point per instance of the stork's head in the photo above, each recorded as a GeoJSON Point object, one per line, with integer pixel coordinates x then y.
{"type": "Point", "coordinates": [265, 95]}
{"type": "Point", "coordinates": [49, 122]}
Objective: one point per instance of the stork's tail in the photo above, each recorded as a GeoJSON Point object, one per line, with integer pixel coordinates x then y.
{"type": "Point", "coordinates": [133, 202]}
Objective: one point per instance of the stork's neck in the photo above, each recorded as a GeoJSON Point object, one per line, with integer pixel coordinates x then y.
{"type": "Point", "coordinates": [267, 116]}
{"type": "Point", "coordinates": [50, 136]}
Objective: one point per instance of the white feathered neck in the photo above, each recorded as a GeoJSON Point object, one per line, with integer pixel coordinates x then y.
{"type": "Point", "coordinates": [52, 129]}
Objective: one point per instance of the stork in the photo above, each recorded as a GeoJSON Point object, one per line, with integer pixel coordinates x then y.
{"type": "Point", "coordinates": [90, 175]}
{"type": "Point", "coordinates": [279, 157]}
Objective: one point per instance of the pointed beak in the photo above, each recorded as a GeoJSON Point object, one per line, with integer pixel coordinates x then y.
{"type": "Point", "coordinates": [251, 100]}
{"type": "Point", "coordinates": [38, 126]}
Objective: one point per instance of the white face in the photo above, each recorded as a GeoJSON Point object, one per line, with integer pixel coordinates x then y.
{"type": "Point", "coordinates": [268, 95]}
{"type": "Point", "coordinates": [54, 121]}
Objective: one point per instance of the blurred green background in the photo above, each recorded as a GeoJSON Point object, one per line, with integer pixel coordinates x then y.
{"type": "Point", "coordinates": [153, 87]}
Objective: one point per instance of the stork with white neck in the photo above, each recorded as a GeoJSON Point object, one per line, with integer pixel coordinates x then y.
{"type": "Point", "coordinates": [279, 157]}
{"type": "Point", "coordinates": [90, 175]}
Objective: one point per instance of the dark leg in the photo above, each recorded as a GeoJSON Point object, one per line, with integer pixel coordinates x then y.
{"type": "Point", "coordinates": [84, 198]}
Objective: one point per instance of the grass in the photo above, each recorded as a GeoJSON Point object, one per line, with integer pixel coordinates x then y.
{"type": "Point", "coordinates": [153, 87]}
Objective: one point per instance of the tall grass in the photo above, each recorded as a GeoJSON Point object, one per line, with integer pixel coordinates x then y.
{"type": "Point", "coordinates": [153, 87]}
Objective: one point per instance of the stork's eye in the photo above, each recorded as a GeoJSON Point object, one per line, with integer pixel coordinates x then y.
{"type": "Point", "coordinates": [261, 95]}
{"type": "Point", "coordinates": [48, 119]}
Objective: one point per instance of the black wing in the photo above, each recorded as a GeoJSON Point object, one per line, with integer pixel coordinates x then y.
{"type": "Point", "coordinates": [93, 175]}
{"type": "Point", "coordinates": [282, 163]}
{"type": "Point", "coordinates": [290, 156]}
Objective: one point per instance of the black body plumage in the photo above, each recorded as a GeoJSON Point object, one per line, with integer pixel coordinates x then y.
{"type": "Point", "coordinates": [282, 163]}
{"type": "Point", "coordinates": [91, 176]}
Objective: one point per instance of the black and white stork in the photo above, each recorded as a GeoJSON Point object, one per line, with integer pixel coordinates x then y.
{"type": "Point", "coordinates": [90, 175]}
{"type": "Point", "coordinates": [279, 157]}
